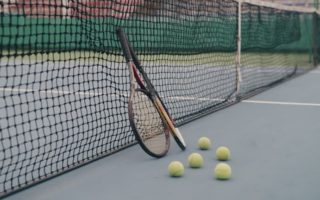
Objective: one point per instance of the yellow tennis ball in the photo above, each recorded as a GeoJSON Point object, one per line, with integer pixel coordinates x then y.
{"type": "Point", "coordinates": [204, 143]}
{"type": "Point", "coordinates": [222, 171]}
{"type": "Point", "coordinates": [223, 153]}
{"type": "Point", "coordinates": [176, 169]}
{"type": "Point", "coordinates": [195, 160]}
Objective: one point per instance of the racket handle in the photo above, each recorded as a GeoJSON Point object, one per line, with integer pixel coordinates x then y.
{"type": "Point", "coordinates": [124, 44]}
{"type": "Point", "coordinates": [175, 131]}
{"type": "Point", "coordinates": [178, 134]}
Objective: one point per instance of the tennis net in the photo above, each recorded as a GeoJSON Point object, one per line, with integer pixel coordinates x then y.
{"type": "Point", "coordinates": [64, 82]}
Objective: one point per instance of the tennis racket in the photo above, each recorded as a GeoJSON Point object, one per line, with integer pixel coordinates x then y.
{"type": "Point", "coordinates": [146, 86]}
{"type": "Point", "coordinates": [148, 126]}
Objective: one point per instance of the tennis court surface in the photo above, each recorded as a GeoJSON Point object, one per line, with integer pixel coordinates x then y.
{"type": "Point", "coordinates": [243, 73]}
{"type": "Point", "coordinates": [273, 137]}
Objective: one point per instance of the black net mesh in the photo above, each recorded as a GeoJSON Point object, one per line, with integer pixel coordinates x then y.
{"type": "Point", "coordinates": [275, 44]}
{"type": "Point", "coordinates": [64, 83]}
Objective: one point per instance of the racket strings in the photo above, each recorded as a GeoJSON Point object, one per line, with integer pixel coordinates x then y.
{"type": "Point", "coordinates": [152, 130]}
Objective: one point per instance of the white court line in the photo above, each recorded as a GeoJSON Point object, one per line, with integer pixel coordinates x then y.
{"type": "Point", "coordinates": [194, 98]}
{"type": "Point", "coordinates": [315, 72]}
{"type": "Point", "coordinates": [58, 92]}
{"type": "Point", "coordinates": [282, 103]}
{"type": "Point", "coordinates": [64, 92]}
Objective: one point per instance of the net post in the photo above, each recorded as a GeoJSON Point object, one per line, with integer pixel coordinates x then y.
{"type": "Point", "coordinates": [238, 56]}
{"type": "Point", "coordinates": [315, 39]}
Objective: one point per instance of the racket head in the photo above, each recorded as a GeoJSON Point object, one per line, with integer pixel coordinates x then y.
{"type": "Point", "coordinates": [149, 128]}
{"type": "Point", "coordinates": [175, 131]}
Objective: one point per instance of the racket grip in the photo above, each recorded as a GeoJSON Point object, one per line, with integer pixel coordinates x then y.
{"type": "Point", "coordinates": [178, 134]}
{"type": "Point", "coordinates": [124, 44]}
